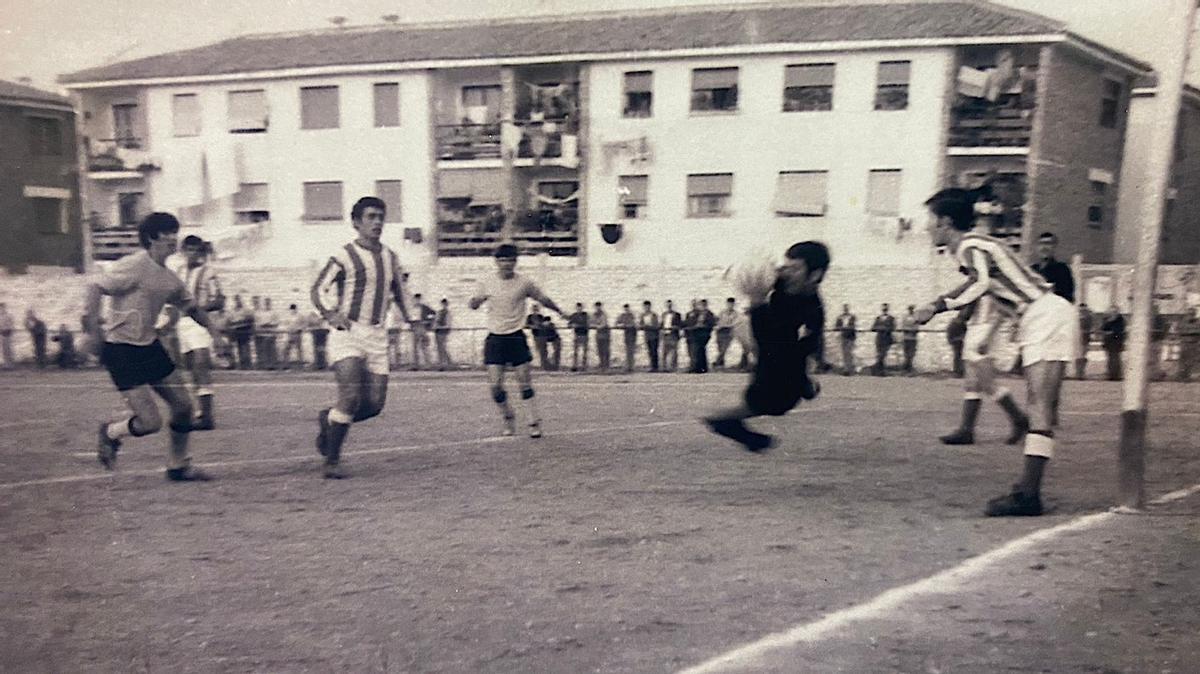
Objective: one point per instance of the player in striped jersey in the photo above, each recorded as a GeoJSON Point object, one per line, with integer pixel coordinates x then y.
{"type": "Point", "coordinates": [194, 341]}
{"type": "Point", "coordinates": [1047, 330]}
{"type": "Point", "coordinates": [367, 277]}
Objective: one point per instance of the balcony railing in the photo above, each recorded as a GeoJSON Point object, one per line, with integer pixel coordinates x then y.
{"type": "Point", "coordinates": [975, 125]}
{"type": "Point", "coordinates": [111, 244]}
{"type": "Point", "coordinates": [537, 232]}
{"type": "Point", "coordinates": [468, 141]}
{"type": "Point", "coordinates": [117, 154]}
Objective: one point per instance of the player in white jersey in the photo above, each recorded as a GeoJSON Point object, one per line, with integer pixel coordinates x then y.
{"type": "Point", "coordinates": [139, 285]}
{"type": "Point", "coordinates": [505, 346]}
{"type": "Point", "coordinates": [1048, 331]}
{"type": "Point", "coordinates": [367, 277]}
{"type": "Point", "coordinates": [195, 343]}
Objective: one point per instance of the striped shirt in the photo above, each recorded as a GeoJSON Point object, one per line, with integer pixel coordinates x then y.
{"type": "Point", "coordinates": [200, 281]}
{"type": "Point", "coordinates": [367, 282]}
{"type": "Point", "coordinates": [995, 271]}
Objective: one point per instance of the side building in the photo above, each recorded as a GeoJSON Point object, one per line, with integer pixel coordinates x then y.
{"type": "Point", "coordinates": [39, 181]}
{"type": "Point", "coordinates": [645, 141]}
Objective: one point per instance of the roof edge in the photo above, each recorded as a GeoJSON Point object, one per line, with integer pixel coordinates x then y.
{"type": "Point", "coordinates": [736, 50]}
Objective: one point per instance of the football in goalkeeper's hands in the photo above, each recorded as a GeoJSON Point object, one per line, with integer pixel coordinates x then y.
{"type": "Point", "coordinates": [754, 276]}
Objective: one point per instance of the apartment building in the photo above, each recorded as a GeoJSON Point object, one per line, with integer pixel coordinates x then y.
{"type": "Point", "coordinates": [680, 138]}
{"type": "Point", "coordinates": [39, 180]}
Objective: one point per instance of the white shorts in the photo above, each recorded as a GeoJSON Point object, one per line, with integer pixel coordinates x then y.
{"type": "Point", "coordinates": [369, 342]}
{"type": "Point", "coordinates": [192, 336]}
{"type": "Point", "coordinates": [1049, 330]}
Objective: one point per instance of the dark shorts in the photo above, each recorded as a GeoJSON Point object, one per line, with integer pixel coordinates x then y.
{"type": "Point", "coordinates": [775, 390]}
{"type": "Point", "coordinates": [510, 349]}
{"type": "Point", "coordinates": [131, 365]}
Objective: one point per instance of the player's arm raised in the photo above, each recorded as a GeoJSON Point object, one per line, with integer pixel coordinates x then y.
{"type": "Point", "coordinates": [332, 272]}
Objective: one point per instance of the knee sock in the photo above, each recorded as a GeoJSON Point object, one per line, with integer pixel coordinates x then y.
{"type": "Point", "coordinates": [501, 397]}
{"type": "Point", "coordinates": [1004, 399]}
{"type": "Point", "coordinates": [205, 397]}
{"type": "Point", "coordinates": [339, 426]}
{"type": "Point", "coordinates": [531, 409]}
{"type": "Point", "coordinates": [181, 426]}
{"type": "Point", "coordinates": [1039, 448]}
{"type": "Point", "coordinates": [970, 411]}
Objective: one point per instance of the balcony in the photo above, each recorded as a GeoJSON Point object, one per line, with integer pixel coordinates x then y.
{"type": "Point", "coordinates": [546, 231]}
{"type": "Point", "coordinates": [979, 126]}
{"type": "Point", "coordinates": [118, 159]}
{"type": "Point", "coordinates": [466, 142]}
{"type": "Point", "coordinates": [112, 244]}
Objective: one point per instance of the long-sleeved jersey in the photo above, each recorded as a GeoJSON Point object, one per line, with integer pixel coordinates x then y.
{"type": "Point", "coordinates": [993, 270]}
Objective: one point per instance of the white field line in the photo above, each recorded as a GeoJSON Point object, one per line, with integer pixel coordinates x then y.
{"type": "Point", "coordinates": [744, 658]}
{"type": "Point", "coordinates": [294, 458]}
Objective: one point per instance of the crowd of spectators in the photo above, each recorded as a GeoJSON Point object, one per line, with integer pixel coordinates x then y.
{"type": "Point", "coordinates": [257, 336]}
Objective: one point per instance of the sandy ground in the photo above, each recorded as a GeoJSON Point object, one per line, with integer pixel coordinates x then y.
{"type": "Point", "coordinates": [627, 540]}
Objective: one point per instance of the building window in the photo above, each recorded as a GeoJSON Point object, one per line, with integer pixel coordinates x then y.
{"type": "Point", "coordinates": [1110, 104]}
{"type": "Point", "coordinates": [883, 192]}
{"type": "Point", "coordinates": [714, 89]}
{"type": "Point", "coordinates": [632, 191]}
{"type": "Point", "coordinates": [248, 111]}
{"type": "Point", "coordinates": [891, 88]}
{"type": "Point", "coordinates": [185, 115]}
{"type": "Point", "coordinates": [709, 195]}
{"type": "Point", "coordinates": [49, 215]}
{"type": "Point", "coordinates": [389, 191]}
{"type": "Point", "coordinates": [1099, 203]}
{"type": "Point", "coordinates": [252, 203]}
{"type": "Point", "coordinates": [639, 94]}
{"type": "Point", "coordinates": [323, 201]}
{"type": "Point", "coordinates": [800, 194]}
{"type": "Point", "coordinates": [129, 207]}
{"type": "Point", "coordinates": [387, 104]}
{"type": "Point", "coordinates": [318, 107]}
{"type": "Point", "coordinates": [808, 87]}
{"type": "Point", "coordinates": [45, 137]}
{"type": "Point", "coordinates": [481, 104]}
{"type": "Point", "coordinates": [124, 117]}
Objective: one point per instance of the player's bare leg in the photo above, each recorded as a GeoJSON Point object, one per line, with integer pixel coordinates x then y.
{"type": "Point", "coordinates": [143, 419]}
{"type": "Point", "coordinates": [1042, 380]}
{"type": "Point", "coordinates": [500, 396]}
{"type": "Point", "coordinates": [199, 362]}
{"type": "Point", "coordinates": [981, 381]}
{"type": "Point", "coordinates": [350, 374]}
{"type": "Point", "coordinates": [528, 401]}
{"type": "Point", "coordinates": [173, 391]}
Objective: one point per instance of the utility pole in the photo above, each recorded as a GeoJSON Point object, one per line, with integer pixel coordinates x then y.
{"type": "Point", "coordinates": [1131, 454]}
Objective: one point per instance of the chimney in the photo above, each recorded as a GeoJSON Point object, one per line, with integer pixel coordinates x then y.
{"type": "Point", "coordinates": [390, 18]}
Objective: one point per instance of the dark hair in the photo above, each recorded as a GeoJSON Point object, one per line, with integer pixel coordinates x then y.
{"type": "Point", "coordinates": [291, 306]}
{"type": "Point", "coordinates": [192, 240]}
{"type": "Point", "coordinates": [814, 253]}
{"type": "Point", "coordinates": [957, 204]}
{"type": "Point", "coordinates": [1048, 236]}
{"type": "Point", "coordinates": [360, 206]}
{"type": "Point", "coordinates": [645, 303]}
{"type": "Point", "coordinates": [505, 251]}
{"type": "Point", "coordinates": [154, 225]}
{"type": "Point", "coordinates": [730, 299]}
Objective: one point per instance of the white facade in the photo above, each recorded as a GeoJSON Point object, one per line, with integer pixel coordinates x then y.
{"type": "Point", "coordinates": [198, 174]}
{"type": "Point", "coordinates": [755, 144]}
